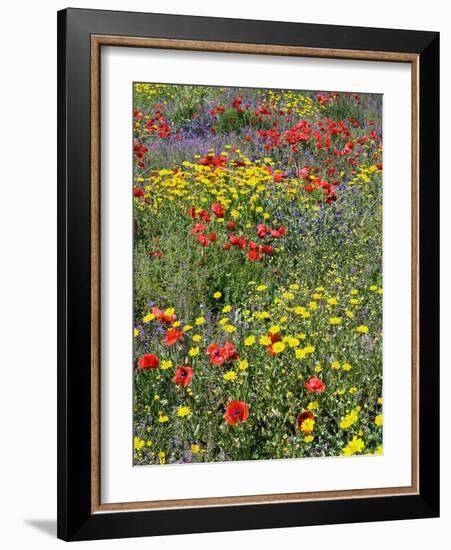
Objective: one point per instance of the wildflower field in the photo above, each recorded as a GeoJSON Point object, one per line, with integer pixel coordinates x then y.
{"type": "Point", "coordinates": [257, 274]}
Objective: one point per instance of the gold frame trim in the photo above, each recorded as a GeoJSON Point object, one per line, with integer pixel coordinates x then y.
{"type": "Point", "coordinates": [97, 41]}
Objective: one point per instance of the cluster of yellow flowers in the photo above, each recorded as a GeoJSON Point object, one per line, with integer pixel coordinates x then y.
{"type": "Point", "coordinates": [240, 185]}
{"type": "Point", "coordinates": [363, 174]}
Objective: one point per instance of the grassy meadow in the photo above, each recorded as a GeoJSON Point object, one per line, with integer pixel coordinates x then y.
{"type": "Point", "coordinates": [257, 274]}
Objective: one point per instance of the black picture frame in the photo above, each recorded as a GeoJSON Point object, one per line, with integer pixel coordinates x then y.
{"type": "Point", "coordinates": [76, 521]}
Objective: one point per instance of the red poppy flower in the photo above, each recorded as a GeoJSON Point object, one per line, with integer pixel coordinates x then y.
{"type": "Point", "coordinates": [304, 172]}
{"type": "Point", "coordinates": [253, 246]}
{"type": "Point", "coordinates": [205, 216]}
{"type": "Point", "coordinates": [270, 350]}
{"type": "Point", "coordinates": [138, 193]}
{"type": "Point", "coordinates": [215, 353]}
{"type": "Point", "coordinates": [162, 316]}
{"type": "Point", "coordinates": [237, 241]}
{"type": "Point", "coordinates": [183, 376]}
{"type": "Point", "coordinates": [314, 385]}
{"type": "Point", "coordinates": [229, 352]}
{"type": "Point", "coordinates": [304, 416]}
{"type": "Point", "coordinates": [227, 246]}
{"type": "Point", "coordinates": [267, 249]}
{"type": "Point", "coordinates": [279, 176]}
{"type": "Point", "coordinates": [277, 233]}
{"type": "Point", "coordinates": [261, 230]}
{"type": "Point", "coordinates": [148, 361]}
{"type": "Point", "coordinates": [210, 160]}
{"type": "Point", "coordinates": [202, 240]}
{"type": "Point", "coordinates": [236, 411]}
{"type": "Point", "coordinates": [274, 337]}
{"type": "Point", "coordinates": [155, 253]}
{"type": "Point", "coordinates": [192, 212]}
{"type": "Point", "coordinates": [213, 237]}
{"type": "Point", "coordinates": [218, 355]}
{"type": "Point", "coordinates": [231, 225]}
{"type": "Point", "coordinates": [218, 210]}
{"type": "Point", "coordinates": [198, 228]}
{"type": "Point", "coordinates": [253, 255]}
{"type": "Point", "coordinates": [173, 335]}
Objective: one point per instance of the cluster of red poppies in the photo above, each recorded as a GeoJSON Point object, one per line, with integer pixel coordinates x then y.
{"type": "Point", "coordinates": [263, 231]}
{"type": "Point", "coordinates": [272, 137]}
{"type": "Point", "coordinates": [219, 355]}
{"type": "Point", "coordinates": [255, 116]}
{"type": "Point", "coordinates": [254, 250]}
{"type": "Point", "coordinates": [299, 132]}
{"type": "Point", "coordinates": [237, 104]}
{"type": "Point", "coordinates": [158, 124]}
{"type": "Point", "coordinates": [236, 411]}
{"type": "Point", "coordinates": [138, 116]}
{"type": "Point", "coordinates": [199, 229]}
{"type": "Point", "coordinates": [140, 151]}
{"type": "Point", "coordinates": [327, 188]}
{"type": "Point", "coordinates": [324, 98]}
{"type": "Point", "coordinates": [216, 162]}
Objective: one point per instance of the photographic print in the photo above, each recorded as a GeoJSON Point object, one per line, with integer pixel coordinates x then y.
{"type": "Point", "coordinates": [257, 274]}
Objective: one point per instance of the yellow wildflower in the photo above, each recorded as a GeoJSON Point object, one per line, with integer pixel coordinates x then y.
{"type": "Point", "coordinates": [356, 445]}
{"type": "Point", "coordinates": [278, 347]}
{"type": "Point", "coordinates": [243, 365]}
{"type": "Point", "coordinates": [138, 443]}
{"type": "Point", "coordinates": [334, 321]}
{"type": "Point", "coordinates": [183, 411]}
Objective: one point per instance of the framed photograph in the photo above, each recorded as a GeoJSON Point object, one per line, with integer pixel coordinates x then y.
{"type": "Point", "coordinates": [248, 274]}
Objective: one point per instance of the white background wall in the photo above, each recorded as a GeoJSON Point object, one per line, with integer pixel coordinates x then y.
{"type": "Point", "coordinates": [28, 271]}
